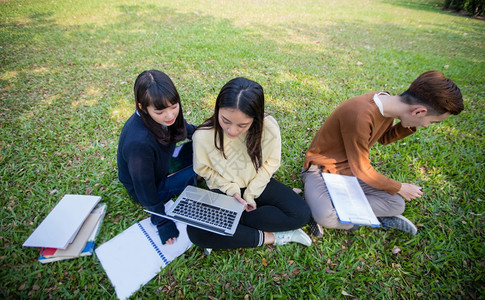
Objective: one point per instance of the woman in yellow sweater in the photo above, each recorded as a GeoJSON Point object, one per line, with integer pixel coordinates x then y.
{"type": "Point", "coordinates": [237, 151]}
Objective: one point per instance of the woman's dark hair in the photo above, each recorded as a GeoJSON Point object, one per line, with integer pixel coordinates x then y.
{"type": "Point", "coordinates": [155, 88]}
{"type": "Point", "coordinates": [248, 97]}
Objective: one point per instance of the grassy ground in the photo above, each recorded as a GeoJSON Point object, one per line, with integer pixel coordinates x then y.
{"type": "Point", "coordinates": [67, 70]}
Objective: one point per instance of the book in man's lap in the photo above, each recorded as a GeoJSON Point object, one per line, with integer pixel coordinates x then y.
{"type": "Point", "coordinates": [349, 200]}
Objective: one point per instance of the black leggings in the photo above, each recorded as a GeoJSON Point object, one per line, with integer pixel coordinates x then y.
{"type": "Point", "coordinates": [278, 209]}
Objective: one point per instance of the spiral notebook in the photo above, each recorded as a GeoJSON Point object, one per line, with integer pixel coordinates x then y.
{"type": "Point", "coordinates": [132, 258]}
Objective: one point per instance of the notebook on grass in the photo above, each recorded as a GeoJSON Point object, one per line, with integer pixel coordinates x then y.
{"type": "Point", "coordinates": [83, 244]}
{"type": "Point", "coordinates": [206, 210]}
{"type": "Point", "coordinates": [63, 223]}
{"type": "Point", "coordinates": [132, 258]}
{"type": "Point", "coordinates": [349, 200]}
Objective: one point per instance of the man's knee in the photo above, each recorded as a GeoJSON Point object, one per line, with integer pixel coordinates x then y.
{"type": "Point", "coordinates": [392, 206]}
{"type": "Point", "coordinates": [327, 219]}
{"type": "Point", "coordinates": [399, 206]}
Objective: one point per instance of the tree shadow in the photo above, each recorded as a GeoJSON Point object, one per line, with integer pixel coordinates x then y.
{"type": "Point", "coordinates": [431, 6]}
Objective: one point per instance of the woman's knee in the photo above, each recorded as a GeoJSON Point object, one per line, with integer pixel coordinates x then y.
{"type": "Point", "coordinates": [301, 215]}
{"type": "Point", "coordinates": [197, 236]}
{"type": "Point", "coordinates": [305, 212]}
{"type": "Point", "coordinates": [300, 212]}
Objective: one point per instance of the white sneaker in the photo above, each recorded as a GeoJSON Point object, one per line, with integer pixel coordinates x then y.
{"type": "Point", "coordinates": [298, 236]}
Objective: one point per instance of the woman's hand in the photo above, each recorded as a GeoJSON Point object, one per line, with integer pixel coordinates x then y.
{"type": "Point", "coordinates": [238, 197]}
{"type": "Point", "coordinates": [247, 207]}
{"type": "Point", "coordinates": [251, 207]}
{"type": "Point", "coordinates": [171, 241]}
{"type": "Point", "coordinates": [168, 232]}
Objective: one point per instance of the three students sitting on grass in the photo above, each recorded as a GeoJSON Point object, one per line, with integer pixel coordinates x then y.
{"type": "Point", "coordinates": [238, 150]}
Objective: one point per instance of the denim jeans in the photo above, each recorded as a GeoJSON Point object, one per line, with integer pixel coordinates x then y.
{"type": "Point", "coordinates": [174, 184]}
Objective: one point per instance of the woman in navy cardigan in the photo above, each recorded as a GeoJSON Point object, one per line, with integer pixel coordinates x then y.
{"type": "Point", "coordinates": [146, 147]}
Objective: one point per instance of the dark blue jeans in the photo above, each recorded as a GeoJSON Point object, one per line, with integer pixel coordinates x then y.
{"type": "Point", "coordinates": [174, 184]}
{"type": "Point", "coordinates": [278, 209]}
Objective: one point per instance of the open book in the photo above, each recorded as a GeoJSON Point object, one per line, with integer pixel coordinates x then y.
{"type": "Point", "coordinates": [349, 200]}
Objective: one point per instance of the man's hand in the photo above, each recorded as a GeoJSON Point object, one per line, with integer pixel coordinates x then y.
{"type": "Point", "coordinates": [410, 191]}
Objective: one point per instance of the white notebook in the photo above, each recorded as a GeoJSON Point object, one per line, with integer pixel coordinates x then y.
{"type": "Point", "coordinates": [349, 200]}
{"type": "Point", "coordinates": [62, 224]}
{"type": "Point", "coordinates": [132, 258]}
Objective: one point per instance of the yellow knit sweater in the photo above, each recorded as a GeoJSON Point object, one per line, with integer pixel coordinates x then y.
{"type": "Point", "coordinates": [237, 171]}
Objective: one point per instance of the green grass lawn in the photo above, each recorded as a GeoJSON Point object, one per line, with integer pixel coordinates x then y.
{"type": "Point", "coordinates": [67, 70]}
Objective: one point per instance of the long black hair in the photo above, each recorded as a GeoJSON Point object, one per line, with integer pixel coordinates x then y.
{"type": "Point", "coordinates": [155, 88]}
{"type": "Point", "coordinates": [248, 97]}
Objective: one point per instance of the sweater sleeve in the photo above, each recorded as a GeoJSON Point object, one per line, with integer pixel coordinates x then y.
{"type": "Point", "coordinates": [355, 136]}
{"type": "Point", "coordinates": [140, 161]}
{"type": "Point", "coordinates": [271, 150]}
{"type": "Point", "coordinates": [395, 133]}
{"type": "Point", "coordinates": [203, 147]}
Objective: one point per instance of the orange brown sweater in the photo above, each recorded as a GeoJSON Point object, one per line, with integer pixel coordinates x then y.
{"type": "Point", "coordinates": [342, 144]}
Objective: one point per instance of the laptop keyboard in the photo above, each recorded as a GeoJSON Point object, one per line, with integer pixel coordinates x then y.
{"type": "Point", "coordinates": [206, 213]}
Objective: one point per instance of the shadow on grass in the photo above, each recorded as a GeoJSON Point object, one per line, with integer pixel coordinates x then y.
{"type": "Point", "coordinates": [422, 5]}
{"type": "Point", "coordinates": [209, 51]}
{"type": "Point", "coordinates": [431, 6]}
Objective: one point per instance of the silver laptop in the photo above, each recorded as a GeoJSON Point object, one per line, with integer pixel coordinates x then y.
{"type": "Point", "coordinates": [206, 210]}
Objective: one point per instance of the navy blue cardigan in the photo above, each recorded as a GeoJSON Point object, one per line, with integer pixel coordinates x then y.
{"type": "Point", "coordinates": [142, 162]}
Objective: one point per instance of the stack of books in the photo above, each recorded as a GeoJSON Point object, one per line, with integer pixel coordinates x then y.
{"type": "Point", "coordinates": [70, 229]}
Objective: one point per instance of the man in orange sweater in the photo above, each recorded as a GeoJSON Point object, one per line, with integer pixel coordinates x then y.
{"type": "Point", "coordinates": [342, 145]}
